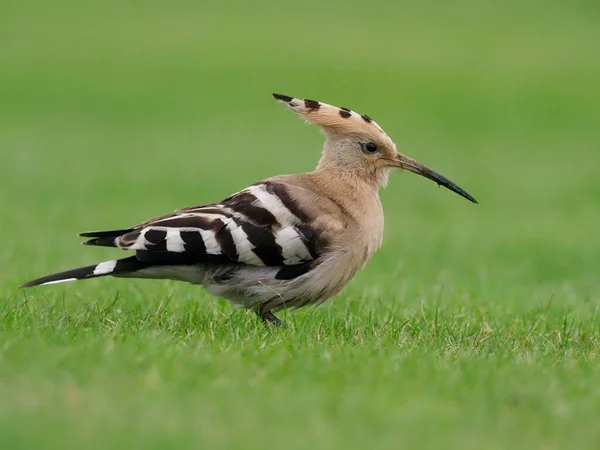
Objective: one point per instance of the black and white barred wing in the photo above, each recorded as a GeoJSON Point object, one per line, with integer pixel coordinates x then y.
{"type": "Point", "coordinates": [268, 224]}
{"type": "Point", "coordinates": [261, 225]}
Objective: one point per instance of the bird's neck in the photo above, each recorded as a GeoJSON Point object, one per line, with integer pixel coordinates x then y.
{"type": "Point", "coordinates": [354, 193]}
{"type": "Point", "coordinates": [360, 200]}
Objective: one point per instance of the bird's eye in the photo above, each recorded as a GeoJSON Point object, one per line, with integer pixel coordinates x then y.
{"type": "Point", "coordinates": [370, 147]}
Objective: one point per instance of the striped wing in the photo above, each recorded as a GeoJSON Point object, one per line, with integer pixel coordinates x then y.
{"type": "Point", "coordinates": [262, 225]}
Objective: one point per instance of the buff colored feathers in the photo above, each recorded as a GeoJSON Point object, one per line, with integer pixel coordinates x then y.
{"type": "Point", "coordinates": [286, 241]}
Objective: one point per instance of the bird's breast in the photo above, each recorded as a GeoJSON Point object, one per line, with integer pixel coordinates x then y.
{"type": "Point", "coordinates": [371, 231]}
{"type": "Point", "coordinates": [357, 244]}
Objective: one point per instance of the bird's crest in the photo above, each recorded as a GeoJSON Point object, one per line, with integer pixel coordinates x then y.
{"type": "Point", "coordinates": [331, 118]}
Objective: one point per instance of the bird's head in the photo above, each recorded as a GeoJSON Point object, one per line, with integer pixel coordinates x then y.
{"type": "Point", "coordinates": [357, 146]}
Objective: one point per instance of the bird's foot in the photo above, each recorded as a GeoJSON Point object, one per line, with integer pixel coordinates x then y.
{"type": "Point", "coordinates": [269, 318]}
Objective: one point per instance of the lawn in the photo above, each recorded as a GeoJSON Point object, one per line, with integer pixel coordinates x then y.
{"type": "Point", "coordinates": [475, 326]}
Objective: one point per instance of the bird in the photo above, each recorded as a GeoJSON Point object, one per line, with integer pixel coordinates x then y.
{"type": "Point", "coordinates": [287, 241]}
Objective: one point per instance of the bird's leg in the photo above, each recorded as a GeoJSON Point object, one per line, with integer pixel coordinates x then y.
{"type": "Point", "coordinates": [269, 318]}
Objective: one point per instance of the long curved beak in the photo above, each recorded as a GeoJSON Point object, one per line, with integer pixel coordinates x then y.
{"type": "Point", "coordinates": [408, 163]}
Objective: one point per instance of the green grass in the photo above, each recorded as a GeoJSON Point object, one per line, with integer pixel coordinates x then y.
{"type": "Point", "coordinates": [473, 327]}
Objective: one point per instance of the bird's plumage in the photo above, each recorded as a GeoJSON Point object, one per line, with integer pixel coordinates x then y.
{"type": "Point", "coordinates": [262, 225]}
{"type": "Point", "coordinates": [286, 241]}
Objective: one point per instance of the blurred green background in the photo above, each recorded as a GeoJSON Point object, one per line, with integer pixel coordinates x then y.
{"type": "Point", "coordinates": [113, 112]}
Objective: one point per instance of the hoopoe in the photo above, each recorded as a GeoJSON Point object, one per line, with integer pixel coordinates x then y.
{"type": "Point", "coordinates": [286, 241]}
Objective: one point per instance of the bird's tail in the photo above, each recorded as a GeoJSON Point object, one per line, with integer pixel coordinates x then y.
{"type": "Point", "coordinates": [106, 238]}
{"type": "Point", "coordinates": [113, 267]}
